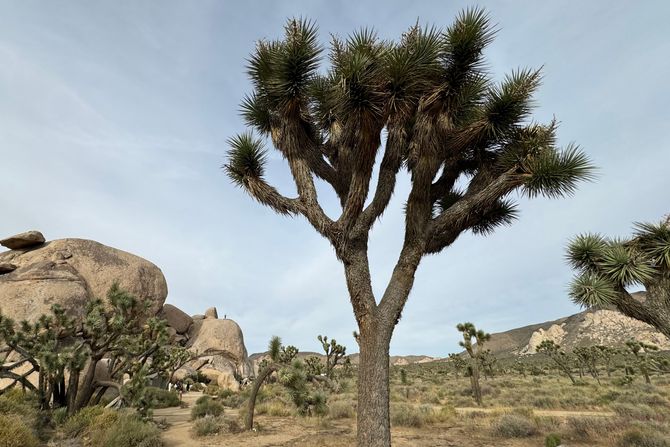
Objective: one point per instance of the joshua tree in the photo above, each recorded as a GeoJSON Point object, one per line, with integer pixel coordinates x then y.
{"type": "Point", "coordinates": [59, 349]}
{"type": "Point", "coordinates": [607, 353]}
{"type": "Point", "coordinates": [644, 362]}
{"type": "Point", "coordinates": [488, 362]}
{"type": "Point", "coordinates": [587, 357]}
{"type": "Point", "coordinates": [279, 356]}
{"type": "Point", "coordinates": [334, 353]}
{"type": "Point", "coordinates": [475, 351]}
{"type": "Point", "coordinates": [555, 353]}
{"type": "Point", "coordinates": [607, 267]}
{"type": "Point", "coordinates": [466, 142]}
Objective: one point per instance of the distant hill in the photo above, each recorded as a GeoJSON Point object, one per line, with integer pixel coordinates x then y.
{"type": "Point", "coordinates": [603, 326]}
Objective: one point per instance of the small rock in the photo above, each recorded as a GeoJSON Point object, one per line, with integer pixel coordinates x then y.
{"type": "Point", "coordinates": [211, 313]}
{"type": "Point", "coordinates": [23, 240]}
{"type": "Point", "coordinates": [6, 267]}
{"type": "Point", "coordinates": [198, 317]}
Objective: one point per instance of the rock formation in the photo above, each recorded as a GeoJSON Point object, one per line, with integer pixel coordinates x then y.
{"type": "Point", "coordinates": [219, 344]}
{"type": "Point", "coordinates": [23, 240]}
{"type": "Point", "coordinates": [70, 272]}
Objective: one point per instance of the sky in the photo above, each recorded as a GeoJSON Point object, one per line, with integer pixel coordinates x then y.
{"type": "Point", "coordinates": [114, 117]}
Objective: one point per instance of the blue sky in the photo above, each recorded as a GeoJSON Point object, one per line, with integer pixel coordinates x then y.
{"type": "Point", "coordinates": [114, 118]}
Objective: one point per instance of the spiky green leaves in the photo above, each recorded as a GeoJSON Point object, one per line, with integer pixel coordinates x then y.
{"type": "Point", "coordinates": [274, 348]}
{"type": "Point", "coordinates": [654, 240]}
{"type": "Point", "coordinates": [556, 173]}
{"type": "Point", "coordinates": [282, 70]}
{"type": "Point", "coordinates": [246, 158]}
{"type": "Point", "coordinates": [607, 266]}
{"type": "Point", "coordinates": [465, 40]}
{"type": "Point", "coordinates": [592, 290]}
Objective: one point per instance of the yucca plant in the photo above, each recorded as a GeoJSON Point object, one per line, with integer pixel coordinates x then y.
{"type": "Point", "coordinates": [609, 267]}
{"type": "Point", "coordinates": [426, 101]}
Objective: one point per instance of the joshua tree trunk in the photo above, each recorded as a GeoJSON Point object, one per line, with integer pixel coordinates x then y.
{"type": "Point", "coordinates": [262, 375]}
{"type": "Point", "coordinates": [474, 380]}
{"type": "Point", "coordinates": [87, 388]}
{"type": "Point", "coordinates": [373, 389]}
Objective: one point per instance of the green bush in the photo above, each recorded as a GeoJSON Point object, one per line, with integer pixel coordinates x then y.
{"type": "Point", "coordinates": [206, 406]}
{"type": "Point", "coordinates": [208, 425]}
{"type": "Point", "coordinates": [342, 410]}
{"type": "Point", "coordinates": [160, 398]}
{"type": "Point", "coordinates": [552, 440]}
{"type": "Point", "coordinates": [15, 433]}
{"type": "Point", "coordinates": [514, 426]}
{"type": "Point", "coordinates": [405, 415]}
{"type": "Point", "coordinates": [636, 438]}
{"type": "Point", "coordinates": [128, 431]}
{"type": "Point", "coordinates": [80, 421]}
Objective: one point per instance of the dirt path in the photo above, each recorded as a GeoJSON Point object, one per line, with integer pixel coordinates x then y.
{"type": "Point", "coordinates": [180, 421]}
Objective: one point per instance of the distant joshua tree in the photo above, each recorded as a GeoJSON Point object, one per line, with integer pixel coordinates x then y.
{"type": "Point", "coordinates": [560, 358]}
{"type": "Point", "coordinates": [476, 352]}
{"type": "Point", "coordinates": [466, 142]}
{"type": "Point", "coordinates": [644, 362]}
{"type": "Point", "coordinates": [334, 353]}
{"type": "Point", "coordinates": [607, 267]}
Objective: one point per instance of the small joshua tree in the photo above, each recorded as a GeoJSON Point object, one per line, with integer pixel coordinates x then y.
{"type": "Point", "coordinates": [608, 267]}
{"type": "Point", "coordinates": [279, 356]}
{"type": "Point", "coordinates": [559, 357]}
{"type": "Point", "coordinates": [607, 353]}
{"type": "Point", "coordinates": [475, 351]}
{"type": "Point", "coordinates": [643, 361]}
{"type": "Point", "coordinates": [587, 357]}
{"type": "Point", "coordinates": [334, 353]}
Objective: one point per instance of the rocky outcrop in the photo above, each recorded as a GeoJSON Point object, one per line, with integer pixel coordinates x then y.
{"type": "Point", "coordinates": [219, 345]}
{"type": "Point", "coordinates": [23, 240]}
{"type": "Point", "coordinates": [176, 318]}
{"type": "Point", "coordinates": [211, 313]}
{"type": "Point", "coordinates": [555, 333]}
{"type": "Point", "coordinates": [606, 327]}
{"type": "Point", "coordinates": [70, 272]}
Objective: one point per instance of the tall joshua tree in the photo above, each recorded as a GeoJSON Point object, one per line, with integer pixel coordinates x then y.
{"type": "Point", "coordinates": [475, 351]}
{"type": "Point", "coordinates": [466, 142]}
{"type": "Point", "coordinates": [607, 267]}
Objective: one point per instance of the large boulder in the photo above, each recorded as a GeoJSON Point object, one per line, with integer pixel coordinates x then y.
{"type": "Point", "coordinates": [211, 313]}
{"type": "Point", "coordinates": [23, 240]}
{"type": "Point", "coordinates": [70, 272]}
{"type": "Point", "coordinates": [176, 318]}
{"type": "Point", "coordinates": [223, 341]}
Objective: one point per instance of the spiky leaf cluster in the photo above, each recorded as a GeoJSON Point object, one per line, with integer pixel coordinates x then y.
{"type": "Point", "coordinates": [606, 267]}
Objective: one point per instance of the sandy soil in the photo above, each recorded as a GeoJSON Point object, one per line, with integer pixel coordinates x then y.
{"type": "Point", "coordinates": [293, 432]}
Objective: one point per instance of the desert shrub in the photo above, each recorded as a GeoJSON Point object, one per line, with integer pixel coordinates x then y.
{"type": "Point", "coordinates": [18, 403]}
{"type": "Point", "coordinates": [15, 433]}
{"type": "Point", "coordinates": [636, 438]}
{"type": "Point", "coordinates": [514, 426]}
{"type": "Point", "coordinates": [232, 400]}
{"type": "Point", "coordinates": [634, 412]}
{"type": "Point", "coordinates": [159, 398]}
{"type": "Point", "coordinates": [128, 431]}
{"type": "Point", "coordinates": [342, 410]}
{"type": "Point", "coordinates": [274, 408]}
{"type": "Point", "coordinates": [590, 427]}
{"type": "Point", "coordinates": [623, 381]}
{"type": "Point", "coordinates": [546, 402]}
{"type": "Point", "coordinates": [80, 421]}
{"type": "Point", "coordinates": [59, 415]}
{"type": "Point", "coordinates": [208, 425]}
{"type": "Point", "coordinates": [212, 390]}
{"type": "Point", "coordinates": [206, 406]}
{"type": "Point", "coordinates": [552, 440]}
{"type": "Point", "coordinates": [404, 415]}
